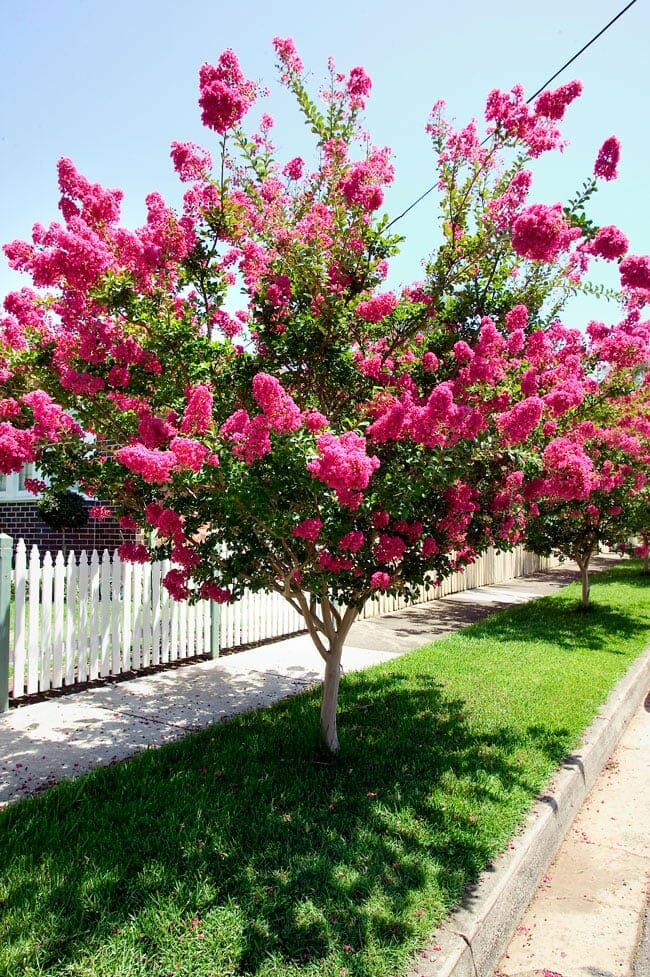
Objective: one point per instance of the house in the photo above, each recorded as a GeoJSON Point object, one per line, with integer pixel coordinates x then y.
{"type": "Point", "coordinates": [19, 518]}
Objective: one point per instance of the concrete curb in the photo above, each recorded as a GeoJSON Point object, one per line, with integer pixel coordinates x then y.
{"type": "Point", "coordinates": [475, 936]}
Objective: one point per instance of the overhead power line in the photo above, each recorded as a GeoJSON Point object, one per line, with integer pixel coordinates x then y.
{"type": "Point", "coordinates": [529, 100]}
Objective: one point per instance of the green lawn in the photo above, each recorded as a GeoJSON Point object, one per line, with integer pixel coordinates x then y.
{"type": "Point", "coordinates": [245, 850]}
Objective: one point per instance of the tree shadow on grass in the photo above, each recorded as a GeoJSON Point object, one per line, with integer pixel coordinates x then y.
{"type": "Point", "coordinates": [248, 845]}
{"type": "Point", "coordinates": [562, 621]}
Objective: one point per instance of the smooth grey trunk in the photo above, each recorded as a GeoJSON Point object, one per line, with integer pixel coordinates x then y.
{"type": "Point", "coordinates": [329, 702]}
{"type": "Point", "coordinates": [583, 563]}
{"type": "Point", "coordinates": [328, 630]}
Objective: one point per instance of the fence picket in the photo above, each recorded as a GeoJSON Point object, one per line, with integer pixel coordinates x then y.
{"type": "Point", "coordinates": [45, 651]}
{"type": "Point", "coordinates": [20, 577]}
{"type": "Point", "coordinates": [59, 613]}
{"type": "Point", "coordinates": [105, 615]}
{"type": "Point", "coordinates": [71, 603]}
{"type": "Point", "coordinates": [82, 629]}
{"type": "Point", "coordinates": [94, 616]}
{"type": "Point", "coordinates": [33, 645]}
{"type": "Point", "coordinates": [116, 597]}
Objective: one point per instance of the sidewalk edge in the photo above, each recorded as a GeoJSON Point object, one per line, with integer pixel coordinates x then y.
{"type": "Point", "coordinates": [471, 942]}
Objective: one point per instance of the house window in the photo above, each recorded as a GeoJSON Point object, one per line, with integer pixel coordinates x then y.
{"type": "Point", "coordinates": [12, 487]}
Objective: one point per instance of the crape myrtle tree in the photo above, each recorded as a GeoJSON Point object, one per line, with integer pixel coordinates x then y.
{"type": "Point", "coordinates": [597, 496]}
{"type": "Point", "coordinates": [331, 439]}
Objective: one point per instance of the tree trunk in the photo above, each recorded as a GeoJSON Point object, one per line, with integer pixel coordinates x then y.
{"type": "Point", "coordinates": [330, 698]}
{"type": "Point", "coordinates": [584, 580]}
{"type": "Point", "coordinates": [328, 630]}
{"type": "Point", "coordinates": [583, 563]}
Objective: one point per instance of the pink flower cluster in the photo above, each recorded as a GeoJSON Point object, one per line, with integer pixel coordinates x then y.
{"type": "Point", "coordinates": [285, 49]}
{"type": "Point", "coordinates": [279, 408]}
{"type": "Point", "coordinates": [635, 271]}
{"type": "Point", "coordinates": [361, 186]}
{"type": "Point", "coordinates": [516, 424]}
{"type": "Point", "coordinates": [358, 87]}
{"type": "Point", "coordinates": [248, 437]}
{"type": "Point", "coordinates": [610, 243]}
{"type": "Point", "coordinates": [535, 128]}
{"type": "Point", "coordinates": [152, 465]}
{"type": "Point", "coordinates": [378, 307]}
{"type": "Point", "coordinates": [225, 94]}
{"type": "Point", "coordinates": [308, 529]}
{"type": "Point", "coordinates": [570, 472]}
{"type": "Point", "coordinates": [343, 465]}
{"type": "Point", "coordinates": [607, 159]}
{"type": "Point", "coordinates": [197, 417]}
{"type": "Point", "coordinates": [389, 548]}
{"type": "Point", "coordinates": [191, 162]}
{"type": "Point", "coordinates": [540, 232]}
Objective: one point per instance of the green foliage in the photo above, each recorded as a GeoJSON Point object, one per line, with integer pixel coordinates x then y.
{"type": "Point", "coordinates": [63, 510]}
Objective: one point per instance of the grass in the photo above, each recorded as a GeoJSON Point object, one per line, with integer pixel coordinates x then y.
{"type": "Point", "coordinates": [245, 850]}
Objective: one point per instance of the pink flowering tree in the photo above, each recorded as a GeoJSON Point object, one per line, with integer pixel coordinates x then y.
{"type": "Point", "coordinates": [592, 492]}
{"type": "Point", "coordinates": [324, 437]}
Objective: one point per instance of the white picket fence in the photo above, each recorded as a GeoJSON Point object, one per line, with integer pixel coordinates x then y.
{"type": "Point", "coordinates": [86, 617]}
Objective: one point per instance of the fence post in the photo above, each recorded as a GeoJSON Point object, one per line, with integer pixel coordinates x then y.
{"type": "Point", "coordinates": [6, 555]}
{"type": "Point", "coordinates": [215, 622]}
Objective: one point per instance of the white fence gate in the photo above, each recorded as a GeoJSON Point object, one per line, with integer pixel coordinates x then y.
{"type": "Point", "coordinates": [86, 617]}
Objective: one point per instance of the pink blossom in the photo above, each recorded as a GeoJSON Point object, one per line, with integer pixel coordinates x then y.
{"type": "Point", "coordinates": [279, 408]}
{"type": "Point", "coordinates": [343, 463]}
{"type": "Point", "coordinates": [197, 417]}
{"type": "Point", "coordinates": [308, 529]}
{"type": "Point", "coordinates": [170, 525]}
{"type": "Point", "coordinates": [225, 95]}
{"type": "Point", "coordinates": [285, 49]}
{"type": "Point", "coordinates": [100, 512]}
{"type": "Point", "coordinates": [133, 553]}
{"type": "Point", "coordinates": [517, 423]}
{"type": "Point", "coordinates": [154, 431]}
{"type": "Point", "coordinates": [185, 557]}
{"type": "Point", "coordinates": [430, 362]}
{"type": "Point", "coordinates": [314, 420]}
{"type": "Point", "coordinates": [153, 465]}
{"type": "Point", "coordinates": [361, 186]}
{"type": "Point", "coordinates": [127, 522]}
{"type": "Point", "coordinates": [327, 561]}
{"type": "Point", "coordinates": [210, 591]}
{"type": "Point", "coordinates": [429, 547]}
{"type": "Point", "coordinates": [610, 243]}
{"type": "Point", "coordinates": [635, 271]}
{"type": "Point", "coordinates": [175, 582]}
{"type": "Point", "coordinates": [378, 307]}
{"type": "Point", "coordinates": [352, 541]}
{"type": "Point", "coordinates": [17, 447]}
{"type": "Point", "coordinates": [517, 318]}
{"type": "Point", "coordinates": [380, 520]}
{"type": "Point", "coordinates": [389, 548]}
{"type": "Point", "coordinates": [553, 104]}
{"type": "Point", "coordinates": [293, 169]}
{"type": "Point", "coordinates": [358, 87]}
{"type": "Point", "coordinates": [380, 580]}
{"type": "Point", "coordinates": [249, 437]}
{"type": "Point", "coordinates": [607, 159]}
{"type": "Point", "coordinates": [190, 454]}
{"type": "Point", "coordinates": [34, 485]}
{"type": "Point", "coordinates": [541, 233]}
{"type": "Point", "coordinates": [191, 162]}
{"type": "Point", "coordinates": [570, 470]}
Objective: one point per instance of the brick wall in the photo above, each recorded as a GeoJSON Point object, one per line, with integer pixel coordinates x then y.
{"type": "Point", "coordinates": [20, 519]}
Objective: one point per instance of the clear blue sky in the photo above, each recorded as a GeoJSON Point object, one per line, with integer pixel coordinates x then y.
{"type": "Point", "coordinates": [111, 84]}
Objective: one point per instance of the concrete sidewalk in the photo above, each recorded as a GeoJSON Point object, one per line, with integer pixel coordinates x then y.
{"type": "Point", "coordinates": [595, 926]}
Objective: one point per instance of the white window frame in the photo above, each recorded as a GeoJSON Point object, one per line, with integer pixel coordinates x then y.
{"type": "Point", "coordinates": [12, 488]}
